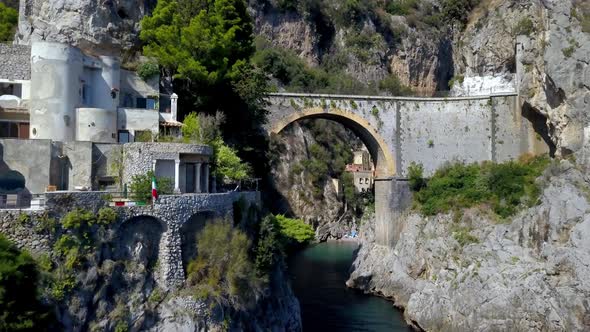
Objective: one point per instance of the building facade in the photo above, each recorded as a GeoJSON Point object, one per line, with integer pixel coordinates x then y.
{"type": "Point", "coordinates": [73, 121]}
{"type": "Point", "coordinates": [362, 170]}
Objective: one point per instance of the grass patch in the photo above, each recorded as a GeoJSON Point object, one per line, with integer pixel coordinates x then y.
{"type": "Point", "coordinates": [464, 237]}
{"type": "Point", "coordinates": [504, 187]}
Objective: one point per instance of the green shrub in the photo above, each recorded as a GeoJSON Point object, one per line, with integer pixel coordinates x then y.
{"type": "Point", "coordinates": [568, 51]}
{"type": "Point", "coordinates": [295, 229]}
{"type": "Point", "coordinates": [46, 224]}
{"type": "Point", "coordinates": [20, 309]}
{"type": "Point", "coordinates": [141, 186]}
{"type": "Point", "coordinates": [269, 249]}
{"type": "Point", "coordinates": [458, 10]}
{"type": "Point", "coordinates": [505, 187]}
{"type": "Point", "coordinates": [228, 165]}
{"type": "Point", "coordinates": [393, 86]}
{"type": "Point", "coordinates": [148, 70]}
{"type": "Point", "coordinates": [464, 237]}
{"type": "Point", "coordinates": [106, 216]}
{"type": "Point", "coordinates": [524, 27]}
{"type": "Point", "coordinates": [223, 272]}
{"type": "Point", "coordinates": [77, 219]}
{"type": "Point", "coordinates": [23, 218]}
{"type": "Point", "coordinates": [402, 7]}
{"type": "Point", "coordinates": [143, 136]}
{"type": "Point", "coordinates": [416, 176]}
{"type": "Point", "coordinates": [8, 22]}
{"type": "Point", "coordinates": [456, 79]}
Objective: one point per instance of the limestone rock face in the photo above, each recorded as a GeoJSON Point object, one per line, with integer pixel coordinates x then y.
{"type": "Point", "coordinates": [93, 25]}
{"type": "Point", "coordinates": [531, 273]}
{"type": "Point", "coordinates": [551, 60]}
{"type": "Point", "coordinates": [327, 213]}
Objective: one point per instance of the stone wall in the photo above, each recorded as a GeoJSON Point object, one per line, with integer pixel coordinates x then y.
{"type": "Point", "coordinates": [16, 62]}
{"type": "Point", "coordinates": [32, 159]}
{"type": "Point", "coordinates": [139, 156]}
{"type": "Point", "coordinates": [171, 211]}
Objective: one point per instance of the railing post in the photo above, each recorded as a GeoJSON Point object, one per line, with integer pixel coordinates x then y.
{"type": "Point", "coordinates": [177, 176]}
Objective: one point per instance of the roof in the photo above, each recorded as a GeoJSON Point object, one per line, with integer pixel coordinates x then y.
{"type": "Point", "coordinates": [171, 123]}
{"type": "Point", "coordinates": [16, 62]}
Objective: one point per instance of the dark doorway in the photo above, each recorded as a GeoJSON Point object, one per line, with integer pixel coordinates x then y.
{"type": "Point", "coordinates": [190, 178]}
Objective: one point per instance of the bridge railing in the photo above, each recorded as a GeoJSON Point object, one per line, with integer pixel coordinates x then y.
{"type": "Point", "coordinates": [442, 96]}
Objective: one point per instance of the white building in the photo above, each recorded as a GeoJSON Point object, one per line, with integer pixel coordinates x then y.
{"type": "Point", "coordinates": [65, 116]}
{"type": "Point", "coordinates": [362, 170]}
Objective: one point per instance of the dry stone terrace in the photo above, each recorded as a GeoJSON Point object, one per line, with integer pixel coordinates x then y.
{"type": "Point", "coordinates": [169, 220]}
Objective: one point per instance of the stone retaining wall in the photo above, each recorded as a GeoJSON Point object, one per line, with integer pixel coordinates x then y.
{"type": "Point", "coordinates": [171, 211]}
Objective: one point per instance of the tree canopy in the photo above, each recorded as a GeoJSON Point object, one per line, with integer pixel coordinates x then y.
{"type": "Point", "coordinates": [205, 47]}
{"type": "Point", "coordinates": [8, 21]}
{"type": "Point", "coordinates": [20, 309]}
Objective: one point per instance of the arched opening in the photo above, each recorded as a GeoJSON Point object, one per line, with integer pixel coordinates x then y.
{"type": "Point", "coordinates": [188, 235]}
{"type": "Point", "coordinates": [139, 240]}
{"type": "Point", "coordinates": [135, 252]}
{"type": "Point", "coordinates": [380, 153]}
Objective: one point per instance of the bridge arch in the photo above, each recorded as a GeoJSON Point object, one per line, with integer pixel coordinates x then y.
{"type": "Point", "coordinates": [139, 239]}
{"type": "Point", "coordinates": [385, 165]}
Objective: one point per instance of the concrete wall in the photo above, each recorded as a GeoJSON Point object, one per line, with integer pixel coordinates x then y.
{"type": "Point", "coordinates": [96, 125]}
{"type": "Point", "coordinates": [55, 90]}
{"type": "Point", "coordinates": [64, 79]}
{"type": "Point", "coordinates": [30, 158]}
{"type": "Point", "coordinates": [133, 119]}
{"type": "Point", "coordinates": [103, 155]}
{"type": "Point", "coordinates": [132, 87]}
{"type": "Point", "coordinates": [139, 156]}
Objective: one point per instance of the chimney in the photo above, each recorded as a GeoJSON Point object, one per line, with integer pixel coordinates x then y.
{"type": "Point", "coordinates": [174, 106]}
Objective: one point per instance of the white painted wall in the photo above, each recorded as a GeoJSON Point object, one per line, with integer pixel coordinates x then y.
{"type": "Point", "coordinates": [134, 119]}
{"type": "Point", "coordinates": [483, 85]}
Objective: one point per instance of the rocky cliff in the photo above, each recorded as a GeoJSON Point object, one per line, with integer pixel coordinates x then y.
{"type": "Point", "coordinates": [104, 27]}
{"type": "Point", "coordinates": [547, 45]}
{"type": "Point", "coordinates": [318, 202]}
{"type": "Point", "coordinates": [541, 47]}
{"type": "Point", "coordinates": [529, 273]}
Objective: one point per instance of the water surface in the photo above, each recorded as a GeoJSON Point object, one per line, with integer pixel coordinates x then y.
{"type": "Point", "coordinates": [318, 275]}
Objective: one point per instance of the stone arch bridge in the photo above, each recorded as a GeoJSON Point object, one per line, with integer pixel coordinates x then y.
{"type": "Point", "coordinates": [432, 131]}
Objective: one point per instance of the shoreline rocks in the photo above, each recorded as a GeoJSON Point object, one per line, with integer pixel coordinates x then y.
{"type": "Point", "coordinates": [529, 273]}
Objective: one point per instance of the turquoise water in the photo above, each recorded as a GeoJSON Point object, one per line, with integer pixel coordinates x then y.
{"type": "Point", "coordinates": [318, 275]}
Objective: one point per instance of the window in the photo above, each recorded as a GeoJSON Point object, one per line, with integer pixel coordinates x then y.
{"type": "Point", "coordinates": [123, 136]}
{"type": "Point", "coordinates": [127, 100]}
{"type": "Point", "coordinates": [360, 180]}
{"type": "Point", "coordinates": [146, 103]}
{"type": "Point", "coordinates": [9, 129]}
{"type": "Point", "coordinates": [85, 94]}
{"type": "Point", "coordinates": [13, 89]}
{"type": "Point", "coordinates": [366, 180]}
{"type": "Point", "coordinates": [150, 104]}
{"type": "Point", "coordinates": [140, 102]}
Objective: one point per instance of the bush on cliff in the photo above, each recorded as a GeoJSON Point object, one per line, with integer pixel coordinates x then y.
{"type": "Point", "coordinates": [8, 21]}
{"type": "Point", "coordinates": [504, 187]}
{"type": "Point", "coordinates": [296, 231]}
{"type": "Point", "coordinates": [20, 308]}
{"type": "Point", "coordinates": [223, 272]}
